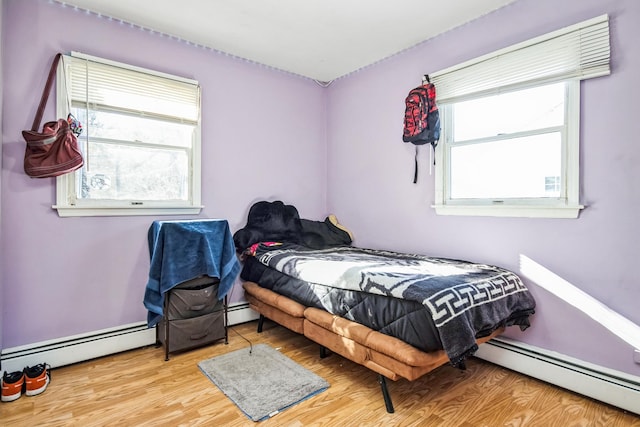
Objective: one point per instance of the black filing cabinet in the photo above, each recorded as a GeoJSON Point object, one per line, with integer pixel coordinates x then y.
{"type": "Point", "coordinates": [193, 316]}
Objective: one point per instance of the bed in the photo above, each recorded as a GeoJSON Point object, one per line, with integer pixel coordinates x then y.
{"type": "Point", "coordinates": [401, 315]}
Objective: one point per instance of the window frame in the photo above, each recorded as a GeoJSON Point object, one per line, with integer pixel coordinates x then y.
{"type": "Point", "coordinates": [565, 206]}
{"type": "Point", "coordinates": [570, 55]}
{"type": "Point", "coordinates": [67, 204]}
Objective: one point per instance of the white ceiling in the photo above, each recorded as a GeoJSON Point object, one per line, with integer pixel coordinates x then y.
{"type": "Point", "coordinates": [320, 39]}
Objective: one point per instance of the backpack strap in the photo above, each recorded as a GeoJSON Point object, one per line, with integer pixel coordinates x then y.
{"type": "Point", "coordinates": [433, 151]}
{"type": "Point", "coordinates": [415, 171]}
{"type": "Point", "coordinates": [415, 159]}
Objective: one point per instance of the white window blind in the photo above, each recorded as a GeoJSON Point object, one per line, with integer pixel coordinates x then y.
{"type": "Point", "coordinates": [105, 85]}
{"type": "Point", "coordinates": [580, 51]}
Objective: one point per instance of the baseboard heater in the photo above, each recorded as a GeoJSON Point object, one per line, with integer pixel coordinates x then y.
{"type": "Point", "coordinates": [613, 387]}
{"type": "Point", "coordinates": [606, 385]}
{"type": "Point", "coordinates": [83, 347]}
{"type": "Point", "coordinates": [78, 348]}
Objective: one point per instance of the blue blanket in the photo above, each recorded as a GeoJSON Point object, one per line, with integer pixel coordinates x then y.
{"type": "Point", "coordinates": [185, 250]}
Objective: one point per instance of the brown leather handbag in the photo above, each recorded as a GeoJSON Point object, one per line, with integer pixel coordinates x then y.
{"type": "Point", "coordinates": [54, 151]}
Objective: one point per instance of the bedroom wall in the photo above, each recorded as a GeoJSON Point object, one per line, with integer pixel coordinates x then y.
{"type": "Point", "coordinates": [1, 104]}
{"type": "Point", "coordinates": [370, 185]}
{"type": "Point", "coordinates": [66, 276]}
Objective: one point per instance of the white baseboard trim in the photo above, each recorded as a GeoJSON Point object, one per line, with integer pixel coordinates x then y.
{"type": "Point", "coordinates": [79, 348]}
{"type": "Point", "coordinates": [613, 387]}
{"type": "Point", "coordinates": [606, 385]}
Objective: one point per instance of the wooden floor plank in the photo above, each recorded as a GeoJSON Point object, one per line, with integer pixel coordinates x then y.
{"type": "Point", "coordinates": [138, 388]}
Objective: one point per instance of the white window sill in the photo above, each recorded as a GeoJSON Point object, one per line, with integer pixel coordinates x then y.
{"type": "Point", "coordinates": [514, 211]}
{"type": "Point", "coordinates": [76, 211]}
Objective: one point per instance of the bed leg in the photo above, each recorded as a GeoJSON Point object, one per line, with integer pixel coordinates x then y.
{"type": "Point", "coordinates": [323, 352]}
{"type": "Point", "coordinates": [260, 323]}
{"type": "Point", "coordinates": [385, 393]}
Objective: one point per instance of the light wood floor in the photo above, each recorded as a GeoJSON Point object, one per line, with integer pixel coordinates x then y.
{"type": "Point", "coordinates": [138, 388]}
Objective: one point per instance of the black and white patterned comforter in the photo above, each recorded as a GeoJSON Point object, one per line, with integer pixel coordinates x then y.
{"type": "Point", "coordinates": [465, 300]}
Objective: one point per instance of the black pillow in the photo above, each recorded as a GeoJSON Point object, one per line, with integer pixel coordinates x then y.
{"type": "Point", "coordinates": [269, 222]}
{"type": "Point", "coordinates": [323, 234]}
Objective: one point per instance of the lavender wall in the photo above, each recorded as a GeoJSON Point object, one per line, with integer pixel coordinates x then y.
{"type": "Point", "coordinates": [1, 89]}
{"type": "Point", "coordinates": [65, 276]}
{"type": "Point", "coordinates": [370, 184]}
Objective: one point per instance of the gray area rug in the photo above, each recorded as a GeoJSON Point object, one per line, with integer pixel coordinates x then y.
{"type": "Point", "coordinates": [262, 383]}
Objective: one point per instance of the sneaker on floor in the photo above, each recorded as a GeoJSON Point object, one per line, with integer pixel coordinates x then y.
{"type": "Point", "coordinates": [37, 378]}
{"type": "Point", "coordinates": [12, 386]}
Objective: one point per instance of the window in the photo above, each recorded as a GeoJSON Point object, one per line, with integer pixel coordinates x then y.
{"type": "Point", "coordinates": [510, 139]}
{"type": "Point", "coordinates": [505, 147]}
{"type": "Point", "coordinates": [140, 140]}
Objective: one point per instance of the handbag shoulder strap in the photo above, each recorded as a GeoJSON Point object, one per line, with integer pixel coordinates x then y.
{"type": "Point", "coordinates": [45, 94]}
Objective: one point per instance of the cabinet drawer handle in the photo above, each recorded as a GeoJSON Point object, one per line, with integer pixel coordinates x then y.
{"type": "Point", "coordinates": [197, 307]}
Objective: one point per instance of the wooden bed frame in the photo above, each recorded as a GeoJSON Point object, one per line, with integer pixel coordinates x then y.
{"type": "Point", "coordinates": [389, 357]}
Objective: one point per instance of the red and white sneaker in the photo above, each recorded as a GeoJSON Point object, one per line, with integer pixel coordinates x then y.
{"type": "Point", "coordinates": [37, 378]}
{"type": "Point", "coordinates": [12, 386]}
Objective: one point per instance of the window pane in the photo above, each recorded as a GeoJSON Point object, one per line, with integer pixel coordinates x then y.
{"type": "Point", "coordinates": [123, 127]}
{"type": "Point", "coordinates": [125, 172]}
{"type": "Point", "coordinates": [513, 168]}
{"type": "Point", "coordinates": [519, 111]}
{"type": "Point", "coordinates": [125, 160]}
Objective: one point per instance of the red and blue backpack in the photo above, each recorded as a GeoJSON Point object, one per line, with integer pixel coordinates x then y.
{"type": "Point", "coordinates": [421, 118]}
